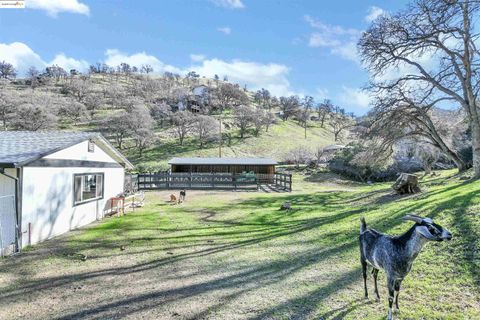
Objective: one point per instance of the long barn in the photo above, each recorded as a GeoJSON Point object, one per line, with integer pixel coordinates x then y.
{"type": "Point", "coordinates": [222, 165]}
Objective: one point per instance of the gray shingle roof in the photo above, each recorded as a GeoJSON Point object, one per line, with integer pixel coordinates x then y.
{"type": "Point", "coordinates": [20, 147]}
{"type": "Point", "coordinates": [223, 161]}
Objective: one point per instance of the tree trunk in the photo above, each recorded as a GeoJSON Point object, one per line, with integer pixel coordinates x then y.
{"type": "Point", "coordinates": [336, 133]}
{"type": "Point", "coordinates": [438, 140]}
{"type": "Point", "coordinates": [476, 148]}
{"type": "Point", "coordinates": [406, 184]}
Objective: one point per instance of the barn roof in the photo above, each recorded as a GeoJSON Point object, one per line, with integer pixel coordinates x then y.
{"type": "Point", "coordinates": [18, 148]}
{"type": "Point", "coordinates": [334, 147]}
{"type": "Point", "coordinates": [222, 161]}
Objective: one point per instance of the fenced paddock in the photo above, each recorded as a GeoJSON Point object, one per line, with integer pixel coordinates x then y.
{"type": "Point", "coordinates": [205, 181]}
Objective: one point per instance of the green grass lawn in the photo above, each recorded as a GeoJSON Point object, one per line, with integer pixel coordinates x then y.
{"type": "Point", "coordinates": [234, 255]}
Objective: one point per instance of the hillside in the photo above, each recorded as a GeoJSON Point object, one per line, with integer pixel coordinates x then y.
{"type": "Point", "coordinates": [142, 111]}
{"type": "Point", "coordinates": [280, 139]}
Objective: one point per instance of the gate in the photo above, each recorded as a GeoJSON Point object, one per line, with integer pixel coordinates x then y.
{"type": "Point", "coordinates": [8, 225]}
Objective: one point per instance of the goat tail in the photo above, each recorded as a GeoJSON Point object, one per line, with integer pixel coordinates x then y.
{"type": "Point", "coordinates": [363, 225]}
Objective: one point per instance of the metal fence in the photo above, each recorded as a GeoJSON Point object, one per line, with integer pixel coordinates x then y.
{"type": "Point", "coordinates": [8, 225]}
{"type": "Point", "coordinates": [166, 180]}
{"type": "Point", "coordinates": [131, 183]}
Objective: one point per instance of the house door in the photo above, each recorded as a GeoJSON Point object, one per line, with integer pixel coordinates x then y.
{"type": "Point", "coordinates": [8, 225]}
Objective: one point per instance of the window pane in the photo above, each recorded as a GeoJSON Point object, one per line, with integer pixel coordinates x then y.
{"type": "Point", "coordinates": [99, 186]}
{"type": "Point", "coordinates": [89, 187]}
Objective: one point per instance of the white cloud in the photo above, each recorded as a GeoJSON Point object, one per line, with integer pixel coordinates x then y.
{"type": "Point", "coordinates": [225, 30]}
{"type": "Point", "coordinates": [68, 63]}
{"type": "Point", "coordinates": [230, 4]}
{"type": "Point", "coordinates": [272, 77]}
{"type": "Point", "coordinates": [320, 40]}
{"type": "Point", "coordinates": [53, 8]}
{"type": "Point", "coordinates": [340, 40]}
{"type": "Point", "coordinates": [354, 99]}
{"type": "Point", "coordinates": [373, 13]}
{"type": "Point", "coordinates": [197, 57]}
{"type": "Point", "coordinates": [347, 50]}
{"type": "Point", "coordinates": [331, 29]}
{"type": "Point", "coordinates": [115, 57]}
{"type": "Point", "coordinates": [23, 57]}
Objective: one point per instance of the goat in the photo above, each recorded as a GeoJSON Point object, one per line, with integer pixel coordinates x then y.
{"type": "Point", "coordinates": [395, 254]}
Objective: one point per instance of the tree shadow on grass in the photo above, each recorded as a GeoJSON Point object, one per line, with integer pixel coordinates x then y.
{"type": "Point", "coordinates": [252, 231]}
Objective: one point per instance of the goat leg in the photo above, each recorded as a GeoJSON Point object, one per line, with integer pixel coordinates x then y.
{"type": "Point", "coordinates": [364, 272]}
{"type": "Point", "coordinates": [375, 274]}
{"type": "Point", "coordinates": [391, 291]}
{"type": "Point", "coordinates": [397, 292]}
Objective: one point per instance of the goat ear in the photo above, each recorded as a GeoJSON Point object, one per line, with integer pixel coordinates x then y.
{"type": "Point", "coordinates": [428, 220]}
{"type": "Point", "coordinates": [424, 232]}
{"type": "Point", "coordinates": [413, 218]}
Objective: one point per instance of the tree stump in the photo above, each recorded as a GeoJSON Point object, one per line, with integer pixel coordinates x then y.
{"type": "Point", "coordinates": [406, 184]}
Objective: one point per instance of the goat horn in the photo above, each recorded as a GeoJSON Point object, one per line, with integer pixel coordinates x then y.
{"type": "Point", "coordinates": [413, 217]}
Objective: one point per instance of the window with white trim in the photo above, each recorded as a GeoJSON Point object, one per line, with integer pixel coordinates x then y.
{"type": "Point", "coordinates": [87, 187]}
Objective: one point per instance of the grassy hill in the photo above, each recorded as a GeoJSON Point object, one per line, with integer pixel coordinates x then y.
{"type": "Point", "coordinates": [116, 93]}
{"type": "Point", "coordinates": [276, 143]}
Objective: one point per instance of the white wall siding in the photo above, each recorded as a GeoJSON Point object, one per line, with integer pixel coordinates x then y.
{"type": "Point", "coordinates": [80, 152]}
{"type": "Point", "coordinates": [47, 197]}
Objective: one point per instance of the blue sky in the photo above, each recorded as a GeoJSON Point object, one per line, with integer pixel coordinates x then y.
{"type": "Point", "coordinates": [288, 47]}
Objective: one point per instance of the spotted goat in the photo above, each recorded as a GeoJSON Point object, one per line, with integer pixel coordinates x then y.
{"type": "Point", "coordinates": [395, 254]}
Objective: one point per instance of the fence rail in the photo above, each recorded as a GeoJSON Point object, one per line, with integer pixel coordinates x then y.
{"type": "Point", "coordinates": [166, 180]}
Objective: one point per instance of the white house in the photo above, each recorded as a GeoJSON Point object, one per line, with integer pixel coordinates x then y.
{"type": "Point", "coordinates": [53, 182]}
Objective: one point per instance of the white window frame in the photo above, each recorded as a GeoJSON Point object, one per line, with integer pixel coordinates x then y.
{"type": "Point", "coordinates": [100, 197]}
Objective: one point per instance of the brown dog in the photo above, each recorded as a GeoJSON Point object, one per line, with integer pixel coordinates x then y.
{"type": "Point", "coordinates": [173, 199]}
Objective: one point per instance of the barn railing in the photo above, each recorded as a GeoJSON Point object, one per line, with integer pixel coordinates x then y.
{"type": "Point", "coordinates": [166, 180]}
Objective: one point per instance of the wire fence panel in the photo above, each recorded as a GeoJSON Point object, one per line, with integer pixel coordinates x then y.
{"type": "Point", "coordinates": [186, 180]}
{"type": "Point", "coordinates": [8, 225]}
